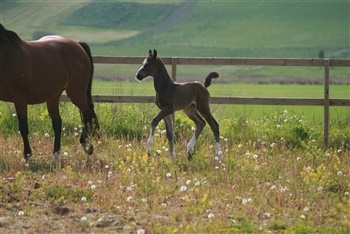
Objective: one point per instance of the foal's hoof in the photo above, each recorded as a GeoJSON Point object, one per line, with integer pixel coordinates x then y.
{"type": "Point", "coordinates": [190, 154]}
{"type": "Point", "coordinates": [88, 148]}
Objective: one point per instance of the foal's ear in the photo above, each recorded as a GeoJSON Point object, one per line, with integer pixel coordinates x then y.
{"type": "Point", "coordinates": [150, 53]}
{"type": "Point", "coordinates": [155, 53]}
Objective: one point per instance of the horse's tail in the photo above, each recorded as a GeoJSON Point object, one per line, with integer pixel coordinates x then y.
{"type": "Point", "coordinates": [210, 77]}
{"type": "Point", "coordinates": [88, 92]}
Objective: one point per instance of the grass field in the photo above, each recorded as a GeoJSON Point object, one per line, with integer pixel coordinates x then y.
{"type": "Point", "coordinates": [275, 175]}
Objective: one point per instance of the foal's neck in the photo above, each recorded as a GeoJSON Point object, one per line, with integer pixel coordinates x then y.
{"type": "Point", "coordinates": [162, 80]}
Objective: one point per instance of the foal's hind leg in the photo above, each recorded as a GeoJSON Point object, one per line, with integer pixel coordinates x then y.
{"type": "Point", "coordinates": [204, 110]}
{"type": "Point", "coordinates": [52, 107]}
{"type": "Point", "coordinates": [192, 113]}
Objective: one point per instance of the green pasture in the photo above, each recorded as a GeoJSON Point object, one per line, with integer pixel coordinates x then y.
{"type": "Point", "coordinates": [199, 28]}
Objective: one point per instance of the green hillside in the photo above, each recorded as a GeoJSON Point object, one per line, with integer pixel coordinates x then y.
{"type": "Point", "coordinates": [196, 28]}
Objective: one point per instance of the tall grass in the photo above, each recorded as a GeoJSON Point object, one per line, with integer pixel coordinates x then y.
{"type": "Point", "coordinates": [275, 176]}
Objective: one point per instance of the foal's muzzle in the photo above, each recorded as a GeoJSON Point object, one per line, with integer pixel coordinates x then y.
{"type": "Point", "coordinates": [139, 76]}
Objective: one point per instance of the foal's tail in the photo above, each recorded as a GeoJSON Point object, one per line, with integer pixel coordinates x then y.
{"type": "Point", "coordinates": [211, 75]}
{"type": "Point", "coordinates": [88, 93]}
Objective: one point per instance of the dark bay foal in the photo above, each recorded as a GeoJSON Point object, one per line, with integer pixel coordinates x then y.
{"type": "Point", "coordinates": [191, 97]}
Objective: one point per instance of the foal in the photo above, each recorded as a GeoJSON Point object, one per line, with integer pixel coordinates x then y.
{"type": "Point", "coordinates": [191, 97]}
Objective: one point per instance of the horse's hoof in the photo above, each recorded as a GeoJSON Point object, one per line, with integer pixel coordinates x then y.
{"type": "Point", "coordinates": [88, 148]}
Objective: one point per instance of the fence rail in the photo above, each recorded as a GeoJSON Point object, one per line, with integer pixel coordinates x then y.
{"type": "Point", "coordinates": [174, 61]}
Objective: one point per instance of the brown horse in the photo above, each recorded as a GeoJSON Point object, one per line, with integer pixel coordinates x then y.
{"type": "Point", "coordinates": [191, 97]}
{"type": "Point", "coordinates": [34, 72]}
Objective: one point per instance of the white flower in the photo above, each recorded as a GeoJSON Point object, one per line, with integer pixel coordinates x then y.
{"type": "Point", "coordinates": [188, 182]}
{"type": "Point", "coordinates": [168, 175]}
{"type": "Point", "coordinates": [339, 173]}
{"type": "Point", "coordinates": [183, 188]}
{"type": "Point", "coordinates": [302, 216]}
{"type": "Point", "coordinates": [129, 199]}
{"type": "Point", "coordinates": [93, 186]}
{"type": "Point", "coordinates": [21, 212]}
{"type": "Point", "coordinates": [239, 146]}
{"type": "Point", "coordinates": [47, 135]}
{"type": "Point", "coordinates": [319, 189]}
{"type": "Point", "coordinates": [83, 219]}
{"type": "Point", "coordinates": [255, 156]}
{"type": "Point", "coordinates": [83, 199]}
{"type": "Point", "coordinates": [144, 200]}
{"type": "Point", "coordinates": [140, 231]}
{"type": "Point", "coordinates": [306, 209]}
{"type": "Point", "coordinates": [193, 128]}
{"type": "Point", "coordinates": [211, 215]}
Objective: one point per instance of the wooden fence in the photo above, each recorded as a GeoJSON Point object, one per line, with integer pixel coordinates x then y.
{"type": "Point", "coordinates": [174, 61]}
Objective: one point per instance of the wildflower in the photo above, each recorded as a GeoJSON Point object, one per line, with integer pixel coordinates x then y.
{"type": "Point", "coordinates": [140, 231]}
{"type": "Point", "coordinates": [188, 182]}
{"type": "Point", "coordinates": [347, 194]}
{"type": "Point", "coordinates": [168, 175]}
{"type": "Point", "coordinates": [210, 215]}
{"type": "Point", "coordinates": [339, 173]}
{"type": "Point", "coordinates": [306, 209]}
{"type": "Point", "coordinates": [193, 128]}
{"type": "Point", "coordinates": [285, 112]}
{"type": "Point", "coordinates": [129, 199]}
{"type": "Point", "coordinates": [239, 146]}
{"type": "Point", "coordinates": [183, 188]}
{"type": "Point", "coordinates": [158, 151]}
{"type": "Point", "coordinates": [14, 115]}
{"type": "Point", "coordinates": [319, 189]}
{"type": "Point", "coordinates": [298, 158]}
{"type": "Point", "coordinates": [339, 151]}
{"type": "Point", "coordinates": [302, 216]}
{"type": "Point", "coordinates": [225, 139]}
{"type": "Point", "coordinates": [249, 200]}
{"type": "Point", "coordinates": [106, 166]}
{"type": "Point", "coordinates": [163, 132]}
{"type": "Point", "coordinates": [21, 212]}
{"type": "Point", "coordinates": [93, 186]}
{"type": "Point", "coordinates": [278, 126]}
{"type": "Point", "coordinates": [83, 199]}
{"type": "Point", "coordinates": [83, 219]}
{"type": "Point", "coordinates": [272, 145]}
{"type": "Point", "coordinates": [144, 200]}
{"type": "Point", "coordinates": [244, 201]}
{"type": "Point", "coordinates": [47, 135]}
{"type": "Point", "coordinates": [255, 156]}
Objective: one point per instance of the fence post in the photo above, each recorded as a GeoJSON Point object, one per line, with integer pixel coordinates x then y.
{"type": "Point", "coordinates": [173, 68]}
{"type": "Point", "coordinates": [326, 102]}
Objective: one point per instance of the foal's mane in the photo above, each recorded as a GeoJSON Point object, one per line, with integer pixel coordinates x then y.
{"type": "Point", "coordinates": [7, 35]}
{"type": "Point", "coordinates": [164, 68]}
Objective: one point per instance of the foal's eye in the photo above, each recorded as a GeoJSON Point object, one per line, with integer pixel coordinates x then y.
{"type": "Point", "coordinates": [147, 65]}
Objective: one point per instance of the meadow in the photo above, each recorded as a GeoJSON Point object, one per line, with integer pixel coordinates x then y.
{"type": "Point", "coordinates": [274, 176]}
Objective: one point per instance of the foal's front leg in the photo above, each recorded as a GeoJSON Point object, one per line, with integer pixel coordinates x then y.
{"type": "Point", "coordinates": [155, 121]}
{"type": "Point", "coordinates": [169, 125]}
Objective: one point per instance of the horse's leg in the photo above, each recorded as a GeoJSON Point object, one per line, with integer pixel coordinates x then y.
{"type": "Point", "coordinates": [204, 110]}
{"type": "Point", "coordinates": [192, 113]}
{"type": "Point", "coordinates": [52, 107]}
{"type": "Point", "coordinates": [87, 115]}
{"type": "Point", "coordinates": [155, 121]}
{"type": "Point", "coordinates": [169, 126]}
{"type": "Point", "coordinates": [21, 110]}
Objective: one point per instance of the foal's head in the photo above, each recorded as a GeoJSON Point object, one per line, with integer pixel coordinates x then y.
{"type": "Point", "coordinates": [148, 67]}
